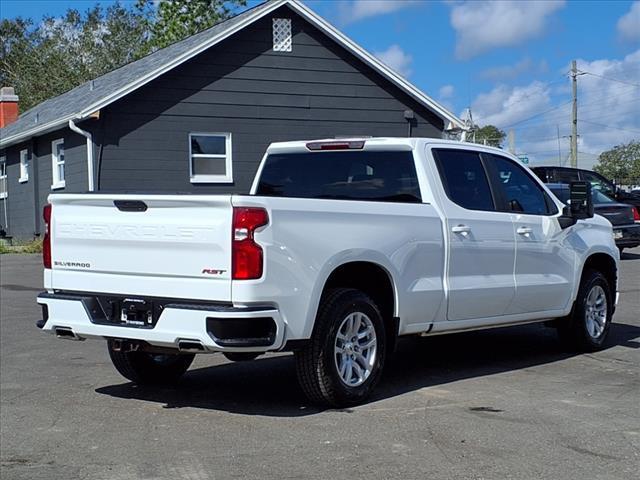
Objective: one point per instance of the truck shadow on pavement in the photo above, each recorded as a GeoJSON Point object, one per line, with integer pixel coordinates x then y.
{"type": "Point", "coordinates": [268, 386]}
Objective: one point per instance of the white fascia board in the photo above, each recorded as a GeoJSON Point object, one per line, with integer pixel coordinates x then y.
{"type": "Point", "coordinates": [37, 130]}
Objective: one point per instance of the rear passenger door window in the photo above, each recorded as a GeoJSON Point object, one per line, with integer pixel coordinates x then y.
{"type": "Point", "coordinates": [464, 178]}
{"type": "Point", "coordinates": [520, 193]}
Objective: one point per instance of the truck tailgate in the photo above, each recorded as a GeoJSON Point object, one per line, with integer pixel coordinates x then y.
{"type": "Point", "coordinates": [176, 246]}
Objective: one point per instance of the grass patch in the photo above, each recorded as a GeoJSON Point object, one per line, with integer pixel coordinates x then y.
{"type": "Point", "coordinates": [35, 246]}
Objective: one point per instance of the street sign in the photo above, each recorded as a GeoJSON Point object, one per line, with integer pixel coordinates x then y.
{"type": "Point", "coordinates": [523, 159]}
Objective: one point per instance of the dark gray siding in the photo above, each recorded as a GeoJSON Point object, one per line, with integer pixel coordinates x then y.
{"type": "Point", "coordinates": [260, 96]}
{"type": "Point", "coordinates": [75, 159]}
{"type": "Point", "coordinates": [20, 196]}
{"type": "Point", "coordinates": [25, 200]}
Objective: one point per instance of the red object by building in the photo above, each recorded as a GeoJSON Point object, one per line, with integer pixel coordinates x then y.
{"type": "Point", "coordinates": [8, 106]}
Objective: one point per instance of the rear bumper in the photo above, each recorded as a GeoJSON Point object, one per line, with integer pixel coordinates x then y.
{"type": "Point", "coordinates": [630, 235]}
{"type": "Point", "coordinates": [216, 328]}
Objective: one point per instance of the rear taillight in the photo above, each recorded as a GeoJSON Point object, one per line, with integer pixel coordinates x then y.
{"type": "Point", "coordinates": [46, 244]}
{"type": "Point", "coordinates": [247, 260]}
{"type": "Point", "coordinates": [636, 214]}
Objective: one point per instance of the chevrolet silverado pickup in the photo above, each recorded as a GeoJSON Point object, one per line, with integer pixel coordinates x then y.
{"type": "Point", "coordinates": [341, 247]}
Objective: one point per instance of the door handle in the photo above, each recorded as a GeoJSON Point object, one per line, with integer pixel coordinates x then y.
{"type": "Point", "coordinates": [524, 230]}
{"type": "Point", "coordinates": [462, 229]}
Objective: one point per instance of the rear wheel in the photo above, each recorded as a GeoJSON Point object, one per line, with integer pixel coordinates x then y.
{"type": "Point", "coordinates": [344, 360]}
{"type": "Point", "coordinates": [586, 329]}
{"type": "Point", "coordinates": [150, 368]}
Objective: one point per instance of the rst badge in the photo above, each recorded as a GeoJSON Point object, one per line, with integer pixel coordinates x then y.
{"type": "Point", "coordinates": [212, 271]}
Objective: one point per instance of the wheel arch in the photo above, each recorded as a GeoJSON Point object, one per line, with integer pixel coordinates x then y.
{"type": "Point", "coordinates": [376, 282]}
{"type": "Point", "coordinates": [605, 264]}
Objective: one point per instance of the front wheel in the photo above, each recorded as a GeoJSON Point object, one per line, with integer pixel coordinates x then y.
{"type": "Point", "coordinates": [149, 368]}
{"type": "Point", "coordinates": [344, 359]}
{"type": "Point", "coordinates": [586, 329]}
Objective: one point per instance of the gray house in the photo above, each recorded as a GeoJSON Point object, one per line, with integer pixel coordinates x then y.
{"type": "Point", "coordinates": [197, 116]}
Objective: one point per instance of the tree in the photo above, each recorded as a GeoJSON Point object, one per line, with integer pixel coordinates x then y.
{"type": "Point", "coordinates": [621, 163]}
{"type": "Point", "coordinates": [178, 19]}
{"type": "Point", "coordinates": [489, 135]}
{"type": "Point", "coordinates": [48, 58]}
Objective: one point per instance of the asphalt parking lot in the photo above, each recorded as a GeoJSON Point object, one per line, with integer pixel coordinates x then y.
{"type": "Point", "coordinates": [501, 404]}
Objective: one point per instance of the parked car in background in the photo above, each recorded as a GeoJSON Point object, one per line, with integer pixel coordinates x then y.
{"type": "Point", "coordinates": [624, 218]}
{"type": "Point", "coordinates": [598, 182]}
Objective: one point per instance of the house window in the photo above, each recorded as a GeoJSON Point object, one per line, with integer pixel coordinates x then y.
{"type": "Point", "coordinates": [282, 35]}
{"type": "Point", "coordinates": [24, 166]}
{"type": "Point", "coordinates": [3, 177]}
{"type": "Point", "coordinates": [57, 164]}
{"type": "Point", "coordinates": [210, 158]}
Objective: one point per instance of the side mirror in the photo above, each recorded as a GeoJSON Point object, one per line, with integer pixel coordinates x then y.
{"type": "Point", "coordinates": [579, 204]}
{"type": "Point", "coordinates": [581, 201]}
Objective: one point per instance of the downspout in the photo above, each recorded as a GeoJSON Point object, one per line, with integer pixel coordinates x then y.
{"type": "Point", "coordinates": [89, 138]}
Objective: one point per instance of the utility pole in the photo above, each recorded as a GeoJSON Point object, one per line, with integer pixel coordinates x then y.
{"type": "Point", "coordinates": [512, 141]}
{"type": "Point", "coordinates": [559, 153]}
{"type": "Point", "coordinates": [574, 115]}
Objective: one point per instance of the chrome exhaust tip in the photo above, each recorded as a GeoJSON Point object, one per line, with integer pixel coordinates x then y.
{"type": "Point", "coordinates": [190, 346]}
{"type": "Point", "coordinates": [66, 333]}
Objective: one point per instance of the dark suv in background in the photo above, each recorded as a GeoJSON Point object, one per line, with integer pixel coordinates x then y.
{"type": "Point", "coordinates": [598, 182]}
{"type": "Point", "coordinates": [624, 218]}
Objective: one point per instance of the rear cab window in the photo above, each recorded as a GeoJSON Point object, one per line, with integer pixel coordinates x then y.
{"type": "Point", "coordinates": [382, 176]}
{"type": "Point", "coordinates": [562, 175]}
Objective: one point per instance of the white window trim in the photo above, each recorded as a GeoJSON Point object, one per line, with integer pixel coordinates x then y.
{"type": "Point", "coordinates": [228, 177]}
{"type": "Point", "coordinates": [56, 183]}
{"type": "Point", "coordinates": [5, 194]}
{"type": "Point", "coordinates": [24, 166]}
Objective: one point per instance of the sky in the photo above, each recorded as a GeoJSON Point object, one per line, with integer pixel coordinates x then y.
{"type": "Point", "coordinates": [506, 60]}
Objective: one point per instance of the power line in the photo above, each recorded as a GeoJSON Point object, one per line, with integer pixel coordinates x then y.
{"type": "Point", "coordinates": [610, 79]}
{"type": "Point", "coordinates": [561, 115]}
{"type": "Point", "coordinates": [536, 115]}
{"type": "Point", "coordinates": [609, 126]}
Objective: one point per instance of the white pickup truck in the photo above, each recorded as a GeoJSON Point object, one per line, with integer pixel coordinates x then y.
{"type": "Point", "coordinates": [341, 247]}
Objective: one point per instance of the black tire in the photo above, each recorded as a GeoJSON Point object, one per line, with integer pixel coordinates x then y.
{"type": "Point", "coordinates": [573, 330]}
{"type": "Point", "coordinates": [240, 356]}
{"type": "Point", "coordinates": [148, 368]}
{"type": "Point", "coordinates": [317, 365]}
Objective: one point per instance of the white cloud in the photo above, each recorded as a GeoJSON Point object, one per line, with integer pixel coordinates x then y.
{"type": "Point", "coordinates": [509, 72]}
{"type": "Point", "coordinates": [483, 25]}
{"type": "Point", "coordinates": [446, 91]}
{"type": "Point", "coordinates": [506, 105]}
{"type": "Point", "coordinates": [397, 59]}
{"type": "Point", "coordinates": [355, 10]}
{"type": "Point", "coordinates": [629, 23]}
{"type": "Point", "coordinates": [608, 111]}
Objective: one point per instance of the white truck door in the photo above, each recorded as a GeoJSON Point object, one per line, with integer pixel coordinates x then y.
{"type": "Point", "coordinates": [544, 267]}
{"type": "Point", "coordinates": [481, 240]}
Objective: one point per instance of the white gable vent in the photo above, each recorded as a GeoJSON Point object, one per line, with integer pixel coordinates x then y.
{"type": "Point", "coordinates": [281, 34]}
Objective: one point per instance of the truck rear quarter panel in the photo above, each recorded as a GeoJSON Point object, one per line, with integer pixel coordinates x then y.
{"type": "Point", "coordinates": [307, 239]}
